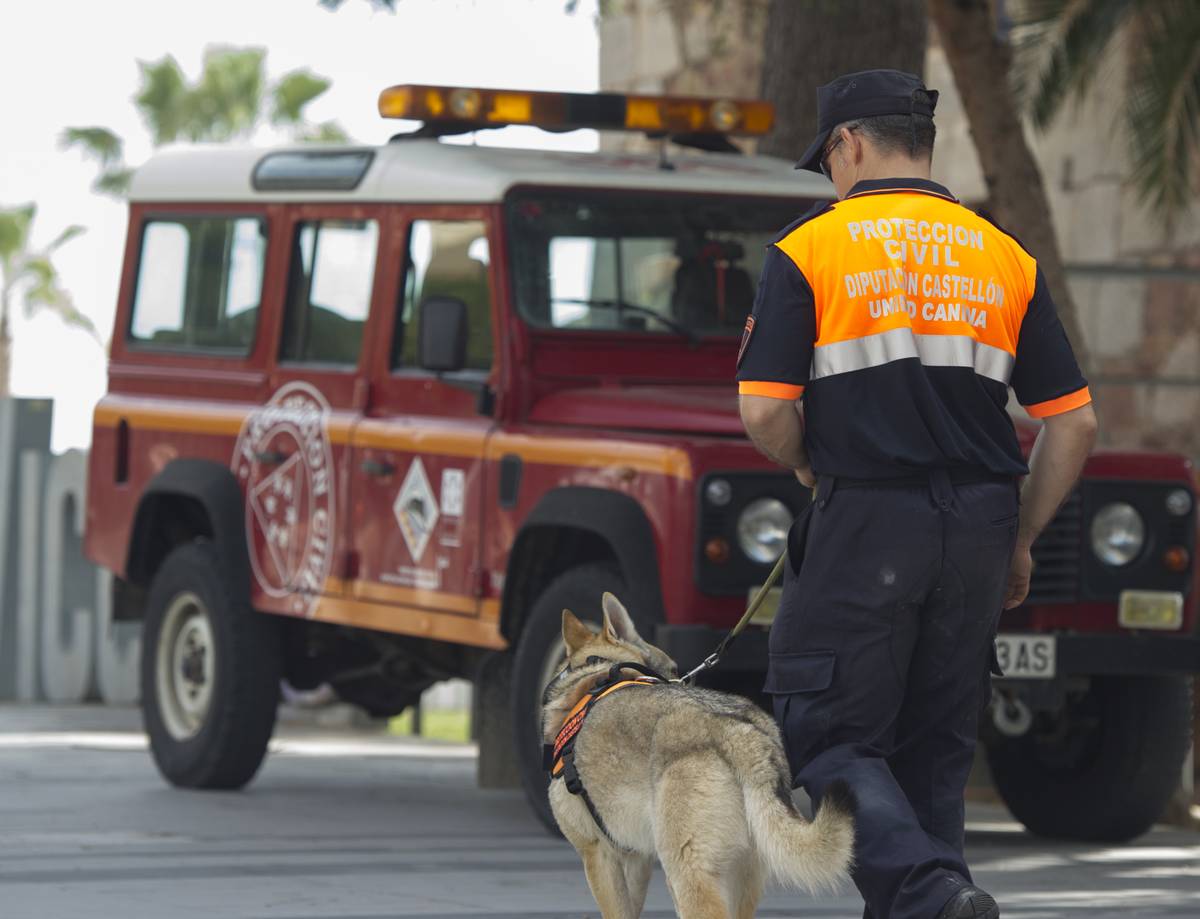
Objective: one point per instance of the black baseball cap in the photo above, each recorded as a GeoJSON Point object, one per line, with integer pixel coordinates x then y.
{"type": "Point", "coordinates": [864, 95]}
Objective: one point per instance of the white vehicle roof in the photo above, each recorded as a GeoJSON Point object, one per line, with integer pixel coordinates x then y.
{"type": "Point", "coordinates": [428, 171]}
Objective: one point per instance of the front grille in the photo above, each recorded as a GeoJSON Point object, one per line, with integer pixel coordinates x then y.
{"type": "Point", "coordinates": [1056, 556]}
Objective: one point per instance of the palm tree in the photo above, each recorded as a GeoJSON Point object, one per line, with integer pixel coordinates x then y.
{"type": "Point", "coordinates": [29, 275]}
{"type": "Point", "coordinates": [228, 102]}
{"type": "Point", "coordinates": [981, 59]}
{"type": "Point", "coordinates": [798, 56]}
{"type": "Point", "coordinates": [1061, 46]}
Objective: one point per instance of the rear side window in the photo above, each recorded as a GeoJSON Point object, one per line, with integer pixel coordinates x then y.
{"type": "Point", "coordinates": [447, 258]}
{"type": "Point", "coordinates": [329, 291]}
{"type": "Point", "coordinates": [199, 284]}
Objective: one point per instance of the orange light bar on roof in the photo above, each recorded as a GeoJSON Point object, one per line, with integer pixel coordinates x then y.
{"type": "Point", "coordinates": [568, 111]}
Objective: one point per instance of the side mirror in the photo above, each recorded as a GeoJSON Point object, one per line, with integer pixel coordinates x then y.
{"type": "Point", "coordinates": [443, 344]}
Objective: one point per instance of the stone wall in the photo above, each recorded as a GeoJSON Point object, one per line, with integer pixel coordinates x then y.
{"type": "Point", "coordinates": [58, 641]}
{"type": "Point", "coordinates": [1136, 285]}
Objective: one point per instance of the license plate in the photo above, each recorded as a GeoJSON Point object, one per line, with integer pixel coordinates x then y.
{"type": "Point", "coordinates": [1027, 657]}
{"type": "Point", "coordinates": [1150, 609]}
{"type": "Point", "coordinates": [765, 614]}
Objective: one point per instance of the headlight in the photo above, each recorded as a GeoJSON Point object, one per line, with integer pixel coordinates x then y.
{"type": "Point", "coordinates": [1118, 534]}
{"type": "Point", "coordinates": [762, 529]}
{"type": "Point", "coordinates": [1179, 502]}
{"type": "Point", "coordinates": [718, 492]}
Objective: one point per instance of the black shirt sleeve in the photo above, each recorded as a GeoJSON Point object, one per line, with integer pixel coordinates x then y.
{"type": "Point", "coordinates": [1046, 377]}
{"type": "Point", "coordinates": [777, 345]}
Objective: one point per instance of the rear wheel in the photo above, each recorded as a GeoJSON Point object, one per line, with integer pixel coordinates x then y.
{"type": "Point", "coordinates": [210, 673]}
{"type": "Point", "coordinates": [1102, 769]}
{"type": "Point", "coordinates": [539, 657]}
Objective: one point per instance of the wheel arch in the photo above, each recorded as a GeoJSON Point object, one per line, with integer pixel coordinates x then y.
{"type": "Point", "coordinates": [575, 525]}
{"type": "Point", "coordinates": [189, 499]}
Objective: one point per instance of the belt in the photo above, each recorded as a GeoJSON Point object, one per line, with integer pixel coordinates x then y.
{"type": "Point", "coordinates": [940, 481]}
{"type": "Point", "coordinates": [960, 475]}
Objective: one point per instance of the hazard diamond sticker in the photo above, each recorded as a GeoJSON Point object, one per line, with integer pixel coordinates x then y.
{"type": "Point", "coordinates": [416, 509]}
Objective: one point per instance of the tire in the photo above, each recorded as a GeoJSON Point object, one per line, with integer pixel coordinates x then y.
{"type": "Point", "coordinates": [210, 673]}
{"type": "Point", "coordinates": [1106, 767]}
{"type": "Point", "coordinates": [491, 722]}
{"type": "Point", "coordinates": [579, 590]}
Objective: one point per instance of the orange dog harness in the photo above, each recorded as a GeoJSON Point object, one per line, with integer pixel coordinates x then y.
{"type": "Point", "coordinates": [559, 758]}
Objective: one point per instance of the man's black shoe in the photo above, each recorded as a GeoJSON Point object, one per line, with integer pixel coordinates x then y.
{"type": "Point", "coordinates": [970, 903]}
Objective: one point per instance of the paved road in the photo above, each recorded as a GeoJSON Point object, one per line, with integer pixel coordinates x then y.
{"type": "Point", "coordinates": [341, 825]}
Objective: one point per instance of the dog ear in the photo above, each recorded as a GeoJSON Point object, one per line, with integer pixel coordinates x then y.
{"type": "Point", "coordinates": [618, 624]}
{"type": "Point", "coordinates": [574, 632]}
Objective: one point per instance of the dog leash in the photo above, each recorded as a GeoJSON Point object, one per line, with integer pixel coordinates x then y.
{"type": "Point", "coordinates": [711, 661]}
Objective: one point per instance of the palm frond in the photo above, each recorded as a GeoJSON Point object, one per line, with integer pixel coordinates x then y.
{"type": "Point", "coordinates": [43, 291]}
{"type": "Point", "coordinates": [292, 93]}
{"type": "Point", "coordinates": [39, 270]}
{"type": "Point", "coordinates": [46, 293]}
{"type": "Point", "coordinates": [163, 99]}
{"type": "Point", "coordinates": [228, 98]}
{"type": "Point", "coordinates": [114, 182]}
{"type": "Point", "coordinates": [1164, 105]}
{"type": "Point", "coordinates": [99, 143]}
{"type": "Point", "coordinates": [14, 230]}
{"type": "Point", "coordinates": [64, 237]}
{"type": "Point", "coordinates": [1059, 45]}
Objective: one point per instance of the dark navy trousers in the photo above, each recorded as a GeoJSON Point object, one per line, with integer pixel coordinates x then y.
{"type": "Point", "coordinates": [879, 668]}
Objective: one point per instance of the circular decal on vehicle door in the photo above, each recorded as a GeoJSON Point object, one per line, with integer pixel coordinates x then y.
{"type": "Point", "coordinates": [284, 462]}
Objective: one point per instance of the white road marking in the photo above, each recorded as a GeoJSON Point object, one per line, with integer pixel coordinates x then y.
{"type": "Point", "coordinates": [311, 747]}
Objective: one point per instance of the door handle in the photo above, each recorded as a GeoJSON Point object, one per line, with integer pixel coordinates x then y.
{"type": "Point", "coordinates": [377, 467]}
{"type": "Point", "coordinates": [270, 457]}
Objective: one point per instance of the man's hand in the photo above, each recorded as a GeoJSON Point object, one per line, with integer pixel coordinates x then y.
{"type": "Point", "coordinates": [1058, 455]}
{"type": "Point", "coordinates": [1018, 577]}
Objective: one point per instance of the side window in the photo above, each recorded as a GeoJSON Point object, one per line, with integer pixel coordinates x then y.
{"type": "Point", "coordinates": [329, 291]}
{"type": "Point", "coordinates": [447, 258]}
{"type": "Point", "coordinates": [199, 284]}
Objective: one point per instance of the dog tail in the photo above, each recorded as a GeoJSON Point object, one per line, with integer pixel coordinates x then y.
{"type": "Point", "coordinates": [813, 855]}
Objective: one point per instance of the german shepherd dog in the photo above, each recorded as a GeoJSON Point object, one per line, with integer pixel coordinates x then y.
{"type": "Point", "coordinates": [695, 777]}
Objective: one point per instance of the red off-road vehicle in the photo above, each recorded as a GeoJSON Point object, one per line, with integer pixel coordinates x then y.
{"type": "Point", "coordinates": [376, 415]}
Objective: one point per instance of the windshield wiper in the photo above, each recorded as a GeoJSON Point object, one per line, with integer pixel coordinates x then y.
{"type": "Point", "coordinates": [621, 306]}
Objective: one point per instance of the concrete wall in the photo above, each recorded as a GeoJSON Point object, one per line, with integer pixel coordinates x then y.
{"type": "Point", "coordinates": [1136, 285]}
{"type": "Point", "coordinates": [58, 642]}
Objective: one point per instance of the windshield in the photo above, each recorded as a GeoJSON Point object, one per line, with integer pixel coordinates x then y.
{"type": "Point", "coordinates": [645, 263]}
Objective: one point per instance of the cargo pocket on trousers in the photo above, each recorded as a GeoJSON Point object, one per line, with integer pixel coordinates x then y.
{"type": "Point", "coordinates": [798, 683]}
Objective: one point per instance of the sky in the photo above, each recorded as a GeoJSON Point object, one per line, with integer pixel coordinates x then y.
{"type": "Point", "coordinates": [75, 63]}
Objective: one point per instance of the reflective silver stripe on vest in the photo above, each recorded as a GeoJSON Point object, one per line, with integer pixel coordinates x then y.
{"type": "Point", "coordinates": [898, 344]}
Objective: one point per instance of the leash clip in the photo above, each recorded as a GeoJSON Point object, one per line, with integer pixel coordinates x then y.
{"type": "Point", "coordinates": [706, 664]}
{"type": "Point", "coordinates": [711, 661]}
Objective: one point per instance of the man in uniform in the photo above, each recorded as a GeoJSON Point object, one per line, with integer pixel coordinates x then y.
{"type": "Point", "coordinates": [886, 331]}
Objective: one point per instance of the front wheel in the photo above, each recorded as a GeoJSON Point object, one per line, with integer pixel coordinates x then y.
{"type": "Point", "coordinates": [539, 656]}
{"type": "Point", "coordinates": [210, 672]}
{"type": "Point", "coordinates": [1104, 768]}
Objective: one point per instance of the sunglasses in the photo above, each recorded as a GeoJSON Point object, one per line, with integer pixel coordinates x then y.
{"type": "Point", "coordinates": [828, 151]}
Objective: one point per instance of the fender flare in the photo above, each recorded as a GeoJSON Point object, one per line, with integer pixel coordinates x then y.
{"type": "Point", "coordinates": [617, 519]}
{"type": "Point", "coordinates": [214, 489]}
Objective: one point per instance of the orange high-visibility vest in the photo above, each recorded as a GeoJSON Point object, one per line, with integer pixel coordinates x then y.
{"type": "Point", "coordinates": [902, 318]}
